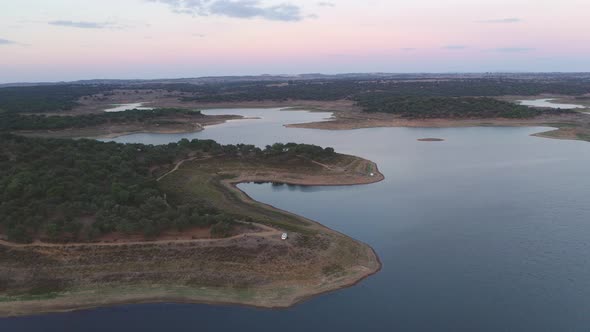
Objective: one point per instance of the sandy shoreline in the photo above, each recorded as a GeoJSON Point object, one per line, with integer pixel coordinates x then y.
{"type": "Point", "coordinates": [574, 126]}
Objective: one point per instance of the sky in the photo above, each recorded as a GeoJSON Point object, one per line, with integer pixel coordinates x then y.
{"type": "Point", "coordinates": [62, 40]}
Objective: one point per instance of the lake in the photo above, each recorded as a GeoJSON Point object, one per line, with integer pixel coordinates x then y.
{"type": "Point", "coordinates": [125, 107]}
{"type": "Point", "coordinates": [486, 231]}
{"type": "Point", "coordinates": [549, 103]}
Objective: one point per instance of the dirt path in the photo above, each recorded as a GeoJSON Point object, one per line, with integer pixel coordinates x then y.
{"type": "Point", "coordinates": [178, 164]}
{"type": "Point", "coordinates": [269, 232]}
{"type": "Point", "coordinates": [323, 165]}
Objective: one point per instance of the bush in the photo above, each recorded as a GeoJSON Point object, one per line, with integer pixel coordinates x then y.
{"type": "Point", "coordinates": [221, 229]}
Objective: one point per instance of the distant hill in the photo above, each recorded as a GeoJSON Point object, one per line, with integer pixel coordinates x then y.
{"type": "Point", "coordinates": [315, 76]}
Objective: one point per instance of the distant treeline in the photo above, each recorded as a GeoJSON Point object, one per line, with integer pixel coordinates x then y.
{"type": "Point", "coordinates": [59, 97]}
{"type": "Point", "coordinates": [16, 121]}
{"type": "Point", "coordinates": [46, 98]}
{"type": "Point", "coordinates": [342, 89]}
{"type": "Point", "coordinates": [260, 91]}
{"type": "Point", "coordinates": [447, 107]}
{"type": "Point", "coordinates": [67, 190]}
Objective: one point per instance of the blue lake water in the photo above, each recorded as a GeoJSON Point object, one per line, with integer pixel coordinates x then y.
{"type": "Point", "coordinates": [486, 231]}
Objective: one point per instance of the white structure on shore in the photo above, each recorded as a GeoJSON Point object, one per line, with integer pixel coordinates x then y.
{"type": "Point", "coordinates": [284, 236]}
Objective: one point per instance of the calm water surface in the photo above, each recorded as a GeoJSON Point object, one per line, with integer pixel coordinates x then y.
{"type": "Point", "coordinates": [549, 103]}
{"type": "Point", "coordinates": [486, 231]}
{"type": "Point", "coordinates": [125, 107]}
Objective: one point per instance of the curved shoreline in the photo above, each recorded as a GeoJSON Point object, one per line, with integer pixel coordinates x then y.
{"type": "Point", "coordinates": [182, 300]}
{"type": "Point", "coordinates": [81, 299]}
{"type": "Point", "coordinates": [186, 300]}
{"type": "Point", "coordinates": [569, 127]}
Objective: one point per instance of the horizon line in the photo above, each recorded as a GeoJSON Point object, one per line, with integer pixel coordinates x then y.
{"type": "Point", "coordinates": [301, 75]}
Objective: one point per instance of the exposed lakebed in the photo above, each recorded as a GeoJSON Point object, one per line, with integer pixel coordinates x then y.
{"type": "Point", "coordinates": [488, 231]}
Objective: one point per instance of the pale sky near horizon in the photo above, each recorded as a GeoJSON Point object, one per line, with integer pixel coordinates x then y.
{"type": "Point", "coordinates": [57, 40]}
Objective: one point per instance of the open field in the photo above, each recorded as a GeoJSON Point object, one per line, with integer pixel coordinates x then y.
{"type": "Point", "coordinates": [255, 268]}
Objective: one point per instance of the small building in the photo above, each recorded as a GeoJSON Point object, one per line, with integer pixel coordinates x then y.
{"type": "Point", "coordinates": [372, 174]}
{"type": "Point", "coordinates": [284, 236]}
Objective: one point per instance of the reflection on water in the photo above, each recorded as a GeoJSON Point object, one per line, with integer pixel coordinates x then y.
{"type": "Point", "coordinates": [260, 127]}
{"type": "Point", "coordinates": [281, 187]}
{"type": "Point", "coordinates": [487, 231]}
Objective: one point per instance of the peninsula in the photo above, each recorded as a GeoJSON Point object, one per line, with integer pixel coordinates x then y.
{"type": "Point", "coordinates": [167, 224]}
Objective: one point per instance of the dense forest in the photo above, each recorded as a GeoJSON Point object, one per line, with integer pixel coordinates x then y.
{"type": "Point", "coordinates": [16, 121]}
{"type": "Point", "coordinates": [67, 190]}
{"type": "Point", "coordinates": [46, 98]}
{"type": "Point", "coordinates": [447, 107]}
